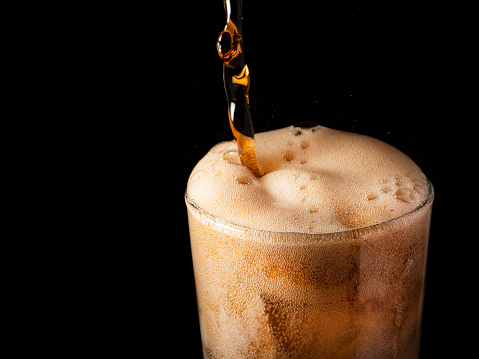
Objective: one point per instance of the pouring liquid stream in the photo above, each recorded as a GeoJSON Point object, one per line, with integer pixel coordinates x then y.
{"type": "Point", "coordinates": [236, 80]}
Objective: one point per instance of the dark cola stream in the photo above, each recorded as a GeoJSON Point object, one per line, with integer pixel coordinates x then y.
{"type": "Point", "coordinates": [236, 79]}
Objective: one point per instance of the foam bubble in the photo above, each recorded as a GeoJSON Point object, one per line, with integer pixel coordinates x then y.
{"type": "Point", "coordinates": [304, 144]}
{"type": "Point", "coordinates": [232, 156]}
{"type": "Point", "coordinates": [405, 194]}
{"type": "Point", "coordinates": [196, 175]}
{"type": "Point", "coordinates": [243, 180]}
{"type": "Point", "coordinates": [288, 156]}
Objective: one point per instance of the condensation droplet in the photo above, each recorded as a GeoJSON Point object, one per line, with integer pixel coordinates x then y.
{"type": "Point", "coordinates": [408, 269]}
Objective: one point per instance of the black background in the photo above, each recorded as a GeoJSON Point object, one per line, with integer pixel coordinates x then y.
{"type": "Point", "coordinates": [383, 71]}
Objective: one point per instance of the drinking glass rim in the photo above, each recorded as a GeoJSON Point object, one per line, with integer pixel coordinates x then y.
{"type": "Point", "coordinates": [235, 229]}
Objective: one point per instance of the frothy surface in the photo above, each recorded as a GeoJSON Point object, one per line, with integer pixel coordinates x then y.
{"type": "Point", "coordinates": [315, 180]}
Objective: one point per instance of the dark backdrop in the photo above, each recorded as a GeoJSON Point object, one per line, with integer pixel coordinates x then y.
{"type": "Point", "coordinates": [380, 71]}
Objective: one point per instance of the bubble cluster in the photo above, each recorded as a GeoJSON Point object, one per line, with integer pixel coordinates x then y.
{"type": "Point", "coordinates": [404, 189]}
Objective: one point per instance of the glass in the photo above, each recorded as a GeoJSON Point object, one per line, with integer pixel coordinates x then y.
{"type": "Point", "coordinates": [352, 294]}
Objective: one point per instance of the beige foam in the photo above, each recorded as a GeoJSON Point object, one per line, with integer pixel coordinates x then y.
{"type": "Point", "coordinates": [315, 180]}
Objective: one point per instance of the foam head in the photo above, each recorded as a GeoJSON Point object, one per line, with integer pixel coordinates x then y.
{"type": "Point", "coordinates": [316, 180]}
